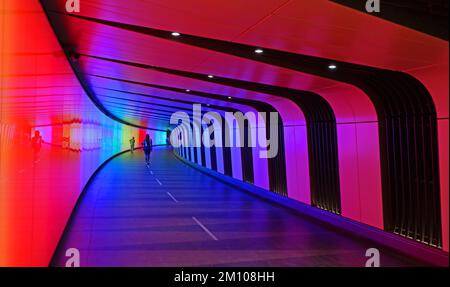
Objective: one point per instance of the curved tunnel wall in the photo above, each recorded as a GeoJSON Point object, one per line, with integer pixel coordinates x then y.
{"type": "Point", "coordinates": [407, 137]}
{"type": "Point", "coordinates": [39, 186]}
{"type": "Point", "coordinates": [386, 215]}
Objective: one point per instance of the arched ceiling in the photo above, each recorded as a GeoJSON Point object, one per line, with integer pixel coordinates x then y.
{"type": "Point", "coordinates": [324, 29]}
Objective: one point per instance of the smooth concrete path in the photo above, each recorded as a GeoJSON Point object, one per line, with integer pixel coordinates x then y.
{"type": "Point", "coordinates": [170, 214]}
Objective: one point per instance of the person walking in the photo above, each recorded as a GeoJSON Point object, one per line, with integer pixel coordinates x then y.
{"type": "Point", "coordinates": [132, 143]}
{"type": "Point", "coordinates": [36, 143]}
{"type": "Point", "coordinates": [148, 145]}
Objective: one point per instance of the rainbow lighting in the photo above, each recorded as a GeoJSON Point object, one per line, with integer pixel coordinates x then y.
{"type": "Point", "coordinates": [223, 133]}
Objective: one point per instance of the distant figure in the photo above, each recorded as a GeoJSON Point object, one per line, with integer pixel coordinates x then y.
{"type": "Point", "coordinates": [36, 143]}
{"type": "Point", "coordinates": [148, 145]}
{"type": "Point", "coordinates": [132, 142]}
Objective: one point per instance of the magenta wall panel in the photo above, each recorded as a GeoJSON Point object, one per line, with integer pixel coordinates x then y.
{"type": "Point", "coordinates": [358, 150]}
{"type": "Point", "coordinates": [260, 165]}
{"type": "Point", "coordinates": [348, 171]}
{"type": "Point", "coordinates": [297, 163]}
{"type": "Point", "coordinates": [369, 174]}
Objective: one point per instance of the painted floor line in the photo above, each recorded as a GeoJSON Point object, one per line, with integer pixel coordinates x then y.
{"type": "Point", "coordinates": [151, 172]}
{"type": "Point", "coordinates": [205, 229]}
{"type": "Point", "coordinates": [171, 196]}
{"type": "Point", "coordinates": [158, 181]}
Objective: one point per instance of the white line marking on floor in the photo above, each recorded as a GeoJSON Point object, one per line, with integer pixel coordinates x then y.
{"type": "Point", "coordinates": [205, 229]}
{"type": "Point", "coordinates": [158, 181]}
{"type": "Point", "coordinates": [171, 196]}
{"type": "Point", "coordinates": [151, 172]}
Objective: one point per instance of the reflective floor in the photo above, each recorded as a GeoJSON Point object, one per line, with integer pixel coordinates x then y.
{"type": "Point", "coordinates": [170, 214]}
{"type": "Point", "coordinates": [38, 190]}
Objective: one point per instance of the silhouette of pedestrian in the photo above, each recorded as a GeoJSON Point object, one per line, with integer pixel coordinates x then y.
{"type": "Point", "coordinates": [148, 145]}
{"type": "Point", "coordinates": [132, 143]}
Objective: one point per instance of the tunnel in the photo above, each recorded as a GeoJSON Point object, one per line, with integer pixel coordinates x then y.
{"type": "Point", "coordinates": [278, 133]}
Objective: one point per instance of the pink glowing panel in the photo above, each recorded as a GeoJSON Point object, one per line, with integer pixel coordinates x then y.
{"type": "Point", "coordinates": [358, 150]}
{"type": "Point", "coordinates": [349, 103]}
{"type": "Point", "coordinates": [297, 163]}
{"type": "Point", "coordinates": [359, 168]}
{"type": "Point", "coordinates": [260, 164]}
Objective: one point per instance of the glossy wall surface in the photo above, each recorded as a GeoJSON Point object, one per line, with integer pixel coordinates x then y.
{"type": "Point", "coordinates": [339, 149]}
{"type": "Point", "coordinates": [39, 185]}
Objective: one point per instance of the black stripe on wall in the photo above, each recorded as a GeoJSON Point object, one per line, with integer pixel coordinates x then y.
{"type": "Point", "coordinates": [213, 153]}
{"type": "Point", "coordinates": [409, 156]}
{"type": "Point", "coordinates": [227, 164]}
{"type": "Point", "coordinates": [247, 157]}
{"type": "Point", "coordinates": [322, 153]}
{"type": "Point", "coordinates": [202, 147]}
{"type": "Point", "coordinates": [277, 165]}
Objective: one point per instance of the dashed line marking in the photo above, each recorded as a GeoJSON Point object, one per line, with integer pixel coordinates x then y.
{"type": "Point", "coordinates": [205, 229]}
{"type": "Point", "coordinates": [158, 181]}
{"type": "Point", "coordinates": [171, 196]}
{"type": "Point", "coordinates": [148, 167]}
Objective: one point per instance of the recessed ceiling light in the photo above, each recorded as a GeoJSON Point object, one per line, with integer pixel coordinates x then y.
{"type": "Point", "coordinates": [259, 51]}
{"type": "Point", "coordinates": [332, 67]}
{"type": "Point", "coordinates": [176, 34]}
{"type": "Point", "coordinates": [229, 98]}
{"type": "Point", "coordinates": [187, 90]}
{"type": "Point", "coordinates": [210, 76]}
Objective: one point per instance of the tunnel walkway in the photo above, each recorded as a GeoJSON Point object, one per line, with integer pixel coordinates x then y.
{"type": "Point", "coordinates": [173, 215]}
